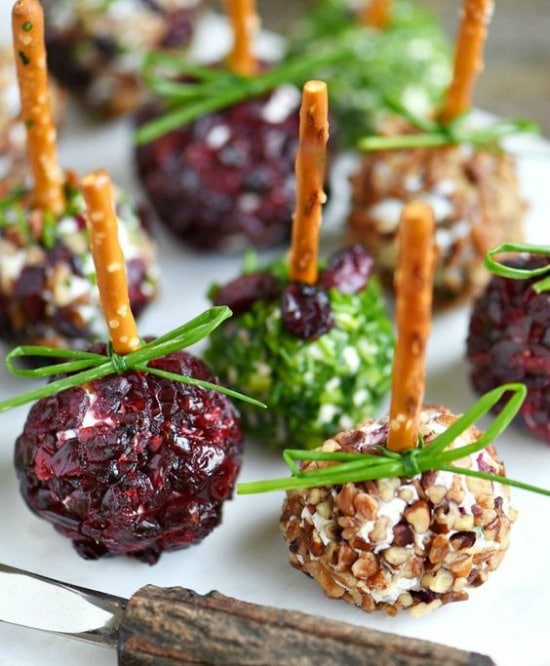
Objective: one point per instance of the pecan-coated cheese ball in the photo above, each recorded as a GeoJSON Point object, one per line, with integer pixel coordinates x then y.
{"type": "Point", "coordinates": [402, 543]}
{"type": "Point", "coordinates": [476, 201]}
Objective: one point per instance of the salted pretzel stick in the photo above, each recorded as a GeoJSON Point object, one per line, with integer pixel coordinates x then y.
{"type": "Point", "coordinates": [468, 62]}
{"type": "Point", "coordinates": [310, 176]}
{"type": "Point", "coordinates": [414, 287]}
{"type": "Point", "coordinates": [376, 14]}
{"type": "Point", "coordinates": [109, 262]}
{"type": "Point", "coordinates": [244, 22]}
{"type": "Point", "coordinates": [32, 75]}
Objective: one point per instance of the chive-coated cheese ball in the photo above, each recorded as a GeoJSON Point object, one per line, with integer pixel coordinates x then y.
{"type": "Point", "coordinates": [318, 355]}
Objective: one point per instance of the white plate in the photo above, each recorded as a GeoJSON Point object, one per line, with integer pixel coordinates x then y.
{"type": "Point", "coordinates": [507, 618]}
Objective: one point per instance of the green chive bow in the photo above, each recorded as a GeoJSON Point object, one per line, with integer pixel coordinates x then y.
{"type": "Point", "coordinates": [520, 273]}
{"type": "Point", "coordinates": [215, 89]}
{"type": "Point", "coordinates": [435, 134]}
{"type": "Point", "coordinates": [436, 456]}
{"type": "Point", "coordinates": [89, 366]}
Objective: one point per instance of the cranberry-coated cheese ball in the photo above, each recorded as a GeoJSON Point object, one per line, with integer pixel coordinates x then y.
{"type": "Point", "coordinates": [226, 181]}
{"type": "Point", "coordinates": [132, 464]}
{"type": "Point", "coordinates": [96, 47]}
{"type": "Point", "coordinates": [476, 202]}
{"type": "Point", "coordinates": [404, 543]}
{"type": "Point", "coordinates": [48, 292]}
{"type": "Point", "coordinates": [509, 340]}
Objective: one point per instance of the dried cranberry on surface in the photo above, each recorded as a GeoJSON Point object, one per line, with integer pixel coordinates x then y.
{"type": "Point", "coordinates": [239, 294]}
{"type": "Point", "coordinates": [509, 340]}
{"type": "Point", "coordinates": [348, 270]}
{"type": "Point", "coordinates": [306, 310]}
{"type": "Point", "coordinates": [134, 464]}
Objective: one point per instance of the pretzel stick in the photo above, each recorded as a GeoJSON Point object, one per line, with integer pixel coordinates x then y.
{"type": "Point", "coordinates": [109, 262]}
{"type": "Point", "coordinates": [32, 75]}
{"type": "Point", "coordinates": [376, 14]}
{"type": "Point", "coordinates": [244, 22]}
{"type": "Point", "coordinates": [414, 287]}
{"type": "Point", "coordinates": [468, 62]}
{"type": "Point", "coordinates": [310, 176]}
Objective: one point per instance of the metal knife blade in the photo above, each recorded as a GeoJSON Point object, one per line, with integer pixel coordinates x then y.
{"type": "Point", "coordinates": [31, 600]}
{"type": "Point", "coordinates": [176, 626]}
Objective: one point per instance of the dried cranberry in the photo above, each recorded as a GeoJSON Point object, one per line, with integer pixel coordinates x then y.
{"type": "Point", "coordinates": [179, 30]}
{"type": "Point", "coordinates": [306, 310]}
{"type": "Point", "coordinates": [348, 270]}
{"type": "Point", "coordinates": [508, 340]}
{"type": "Point", "coordinates": [243, 291]}
{"type": "Point", "coordinates": [135, 464]}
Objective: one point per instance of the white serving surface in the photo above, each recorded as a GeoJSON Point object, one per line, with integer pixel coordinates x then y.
{"type": "Point", "coordinates": [507, 618]}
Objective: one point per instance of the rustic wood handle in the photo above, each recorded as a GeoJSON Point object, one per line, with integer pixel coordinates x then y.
{"type": "Point", "coordinates": [168, 626]}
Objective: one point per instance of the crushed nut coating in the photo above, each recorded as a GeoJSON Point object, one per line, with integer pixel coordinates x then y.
{"type": "Point", "coordinates": [476, 201]}
{"type": "Point", "coordinates": [403, 543]}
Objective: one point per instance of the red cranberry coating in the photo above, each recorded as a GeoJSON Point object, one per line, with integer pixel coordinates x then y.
{"type": "Point", "coordinates": [148, 473]}
{"type": "Point", "coordinates": [225, 181]}
{"type": "Point", "coordinates": [509, 341]}
{"type": "Point", "coordinates": [306, 310]}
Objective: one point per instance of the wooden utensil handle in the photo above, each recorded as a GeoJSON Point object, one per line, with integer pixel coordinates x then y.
{"type": "Point", "coordinates": [164, 627]}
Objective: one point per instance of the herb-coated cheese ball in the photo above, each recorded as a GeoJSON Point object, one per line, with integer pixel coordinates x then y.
{"type": "Point", "coordinates": [318, 355]}
{"type": "Point", "coordinates": [408, 61]}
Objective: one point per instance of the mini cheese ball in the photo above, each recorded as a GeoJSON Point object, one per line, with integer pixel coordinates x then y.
{"type": "Point", "coordinates": [225, 182]}
{"type": "Point", "coordinates": [476, 201]}
{"type": "Point", "coordinates": [96, 48]}
{"type": "Point", "coordinates": [400, 52]}
{"type": "Point", "coordinates": [132, 464]}
{"type": "Point", "coordinates": [402, 543]}
{"type": "Point", "coordinates": [318, 355]}
{"type": "Point", "coordinates": [48, 292]}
